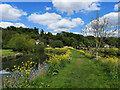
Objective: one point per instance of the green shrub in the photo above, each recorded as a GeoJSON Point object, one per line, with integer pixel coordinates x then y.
{"type": "Point", "coordinates": [111, 51]}
{"type": "Point", "coordinates": [56, 43]}
{"type": "Point", "coordinates": [57, 51]}
{"type": "Point", "coordinates": [21, 42]}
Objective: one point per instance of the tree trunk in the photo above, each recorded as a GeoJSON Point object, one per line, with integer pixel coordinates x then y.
{"type": "Point", "coordinates": [97, 47]}
{"type": "Point", "coordinates": [97, 55]}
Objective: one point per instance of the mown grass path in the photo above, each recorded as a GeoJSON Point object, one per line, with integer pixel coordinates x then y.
{"type": "Point", "coordinates": [80, 73]}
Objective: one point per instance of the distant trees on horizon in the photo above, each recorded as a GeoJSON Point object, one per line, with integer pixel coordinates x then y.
{"type": "Point", "coordinates": [63, 38]}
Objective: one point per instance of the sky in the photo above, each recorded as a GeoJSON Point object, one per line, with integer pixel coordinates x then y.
{"type": "Point", "coordinates": [57, 15]}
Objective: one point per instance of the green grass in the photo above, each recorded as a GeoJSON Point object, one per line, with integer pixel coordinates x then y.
{"type": "Point", "coordinates": [82, 72]}
{"type": "Point", "coordinates": [7, 52]}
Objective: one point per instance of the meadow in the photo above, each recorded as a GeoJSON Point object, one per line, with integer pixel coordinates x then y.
{"type": "Point", "coordinates": [66, 68]}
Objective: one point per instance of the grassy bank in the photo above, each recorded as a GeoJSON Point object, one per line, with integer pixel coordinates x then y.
{"type": "Point", "coordinates": [82, 72]}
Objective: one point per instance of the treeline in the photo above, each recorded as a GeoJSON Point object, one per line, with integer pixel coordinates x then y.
{"type": "Point", "coordinates": [77, 40]}
{"type": "Point", "coordinates": [13, 34]}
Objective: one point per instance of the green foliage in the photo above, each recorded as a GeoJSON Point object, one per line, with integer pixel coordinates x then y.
{"type": "Point", "coordinates": [53, 68]}
{"type": "Point", "coordinates": [22, 30]}
{"type": "Point", "coordinates": [31, 45]}
{"type": "Point", "coordinates": [110, 51]}
{"type": "Point", "coordinates": [42, 33]}
{"type": "Point", "coordinates": [56, 43]}
{"type": "Point", "coordinates": [67, 38]}
{"type": "Point", "coordinates": [112, 41]}
{"type": "Point", "coordinates": [6, 36]}
{"type": "Point", "coordinates": [75, 44]}
{"type": "Point", "coordinates": [57, 51]}
{"type": "Point", "coordinates": [87, 42]}
{"type": "Point", "coordinates": [7, 52]}
{"type": "Point", "coordinates": [118, 43]}
{"type": "Point", "coordinates": [9, 32]}
{"type": "Point", "coordinates": [39, 53]}
{"type": "Point", "coordinates": [21, 42]}
{"type": "Point", "coordinates": [57, 61]}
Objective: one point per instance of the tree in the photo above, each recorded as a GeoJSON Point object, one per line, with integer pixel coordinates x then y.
{"type": "Point", "coordinates": [21, 42]}
{"type": "Point", "coordinates": [31, 45]}
{"type": "Point", "coordinates": [49, 34]}
{"type": "Point", "coordinates": [42, 33]}
{"type": "Point", "coordinates": [56, 43]}
{"type": "Point", "coordinates": [118, 44]}
{"type": "Point", "coordinates": [36, 30]}
{"type": "Point", "coordinates": [75, 44]}
{"type": "Point", "coordinates": [87, 42]}
{"type": "Point", "coordinates": [72, 39]}
{"type": "Point", "coordinates": [6, 36]}
{"type": "Point", "coordinates": [39, 53]}
{"type": "Point", "coordinates": [99, 28]}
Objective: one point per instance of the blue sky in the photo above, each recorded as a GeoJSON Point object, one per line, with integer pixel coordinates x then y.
{"type": "Point", "coordinates": [56, 17]}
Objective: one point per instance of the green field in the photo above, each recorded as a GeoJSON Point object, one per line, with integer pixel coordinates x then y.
{"type": "Point", "coordinates": [82, 72]}
{"type": "Point", "coordinates": [7, 52]}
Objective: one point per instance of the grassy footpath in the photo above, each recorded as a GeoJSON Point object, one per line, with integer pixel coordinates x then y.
{"type": "Point", "coordinates": [80, 73]}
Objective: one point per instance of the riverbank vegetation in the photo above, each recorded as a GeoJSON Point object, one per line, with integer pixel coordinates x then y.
{"type": "Point", "coordinates": [62, 60]}
{"type": "Point", "coordinates": [78, 72]}
{"type": "Point", "coordinates": [24, 73]}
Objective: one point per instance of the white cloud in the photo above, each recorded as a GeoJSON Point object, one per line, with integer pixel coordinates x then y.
{"type": "Point", "coordinates": [54, 33]}
{"type": "Point", "coordinates": [93, 7]}
{"type": "Point", "coordinates": [44, 19]}
{"type": "Point", "coordinates": [55, 21]}
{"type": "Point", "coordinates": [116, 7]}
{"type": "Point", "coordinates": [65, 24]}
{"type": "Point", "coordinates": [70, 6]}
{"type": "Point", "coordinates": [61, 25]}
{"type": "Point", "coordinates": [48, 8]}
{"type": "Point", "coordinates": [88, 34]}
{"type": "Point", "coordinates": [78, 33]}
{"type": "Point", "coordinates": [7, 12]}
{"type": "Point", "coordinates": [7, 24]}
{"type": "Point", "coordinates": [78, 21]}
{"type": "Point", "coordinates": [111, 17]}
